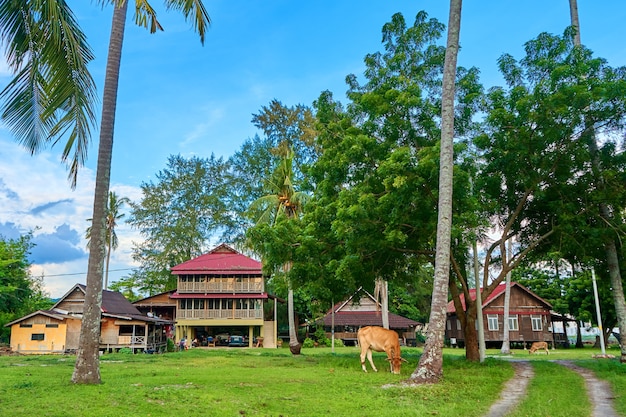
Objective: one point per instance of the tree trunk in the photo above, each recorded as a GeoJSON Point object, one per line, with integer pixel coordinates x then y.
{"type": "Point", "coordinates": [87, 368]}
{"type": "Point", "coordinates": [506, 344]}
{"type": "Point", "coordinates": [579, 336]}
{"type": "Point", "coordinates": [430, 366]}
{"type": "Point", "coordinates": [618, 294]}
{"type": "Point", "coordinates": [472, 351]}
{"type": "Point", "coordinates": [293, 336]}
{"type": "Point", "coordinates": [106, 270]}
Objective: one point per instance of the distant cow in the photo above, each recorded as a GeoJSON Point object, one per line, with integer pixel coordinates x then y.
{"type": "Point", "coordinates": [380, 340]}
{"type": "Point", "coordinates": [538, 346]}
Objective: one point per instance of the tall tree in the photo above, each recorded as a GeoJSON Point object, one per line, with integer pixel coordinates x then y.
{"type": "Point", "coordinates": [177, 216]}
{"type": "Point", "coordinates": [430, 366]}
{"type": "Point", "coordinates": [113, 216]}
{"type": "Point", "coordinates": [283, 203]}
{"type": "Point", "coordinates": [606, 212]}
{"type": "Point", "coordinates": [87, 368]}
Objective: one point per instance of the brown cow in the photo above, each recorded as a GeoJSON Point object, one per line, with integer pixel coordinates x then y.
{"type": "Point", "coordinates": [380, 339]}
{"type": "Point", "coordinates": [538, 346]}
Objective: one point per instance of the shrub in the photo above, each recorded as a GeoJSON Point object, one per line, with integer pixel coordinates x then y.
{"type": "Point", "coordinates": [308, 343]}
{"type": "Point", "coordinates": [125, 350]}
{"type": "Point", "coordinates": [170, 346]}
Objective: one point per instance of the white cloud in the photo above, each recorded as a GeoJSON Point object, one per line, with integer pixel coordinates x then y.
{"type": "Point", "coordinates": [37, 197]}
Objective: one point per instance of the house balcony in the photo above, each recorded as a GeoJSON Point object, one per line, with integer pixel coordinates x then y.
{"type": "Point", "coordinates": [220, 314]}
{"type": "Point", "coordinates": [228, 285]}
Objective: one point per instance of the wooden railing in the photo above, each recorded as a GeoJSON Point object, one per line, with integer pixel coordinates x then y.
{"type": "Point", "coordinates": [219, 314]}
{"type": "Point", "coordinates": [221, 286]}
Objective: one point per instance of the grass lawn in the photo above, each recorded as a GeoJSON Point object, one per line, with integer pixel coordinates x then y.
{"type": "Point", "coordinates": [258, 382]}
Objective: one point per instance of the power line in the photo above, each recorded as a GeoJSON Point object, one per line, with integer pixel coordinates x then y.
{"type": "Point", "coordinates": [85, 273]}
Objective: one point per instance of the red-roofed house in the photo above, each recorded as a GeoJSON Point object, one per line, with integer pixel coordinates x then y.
{"type": "Point", "coordinates": [222, 291]}
{"type": "Point", "coordinates": [361, 310]}
{"type": "Point", "coordinates": [529, 317]}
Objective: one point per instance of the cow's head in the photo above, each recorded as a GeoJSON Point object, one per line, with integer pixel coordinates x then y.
{"type": "Point", "coordinates": [396, 364]}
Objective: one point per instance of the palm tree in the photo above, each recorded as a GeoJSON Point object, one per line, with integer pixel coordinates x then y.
{"type": "Point", "coordinates": [430, 366]}
{"type": "Point", "coordinates": [87, 364]}
{"type": "Point", "coordinates": [283, 200]}
{"type": "Point", "coordinates": [113, 215]}
{"type": "Point", "coordinates": [606, 212]}
{"type": "Point", "coordinates": [53, 92]}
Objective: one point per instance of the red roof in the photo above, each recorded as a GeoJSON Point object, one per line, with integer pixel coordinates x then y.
{"type": "Point", "coordinates": [223, 260]}
{"type": "Point", "coordinates": [496, 292]}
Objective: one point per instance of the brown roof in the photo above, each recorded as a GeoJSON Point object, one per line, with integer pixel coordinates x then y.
{"type": "Point", "coordinates": [361, 318]}
{"type": "Point", "coordinates": [369, 318]}
{"type": "Point", "coordinates": [222, 260]}
{"type": "Point", "coordinates": [496, 292]}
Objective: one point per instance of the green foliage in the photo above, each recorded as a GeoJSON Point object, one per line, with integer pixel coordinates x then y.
{"type": "Point", "coordinates": [52, 93]}
{"type": "Point", "coordinates": [177, 216]}
{"type": "Point", "coordinates": [20, 293]}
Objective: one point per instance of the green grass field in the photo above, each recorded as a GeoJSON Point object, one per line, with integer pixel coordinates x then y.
{"type": "Point", "coordinates": [258, 382]}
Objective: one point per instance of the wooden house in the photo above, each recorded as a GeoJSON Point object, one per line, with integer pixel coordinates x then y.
{"type": "Point", "coordinates": [361, 310]}
{"type": "Point", "coordinates": [222, 293]}
{"type": "Point", "coordinates": [530, 318]}
{"type": "Point", "coordinates": [58, 330]}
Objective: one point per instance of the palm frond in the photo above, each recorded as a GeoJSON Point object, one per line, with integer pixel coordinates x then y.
{"type": "Point", "coordinates": [194, 11]}
{"type": "Point", "coordinates": [52, 92]}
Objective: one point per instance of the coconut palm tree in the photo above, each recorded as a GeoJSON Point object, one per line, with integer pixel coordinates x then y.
{"type": "Point", "coordinates": [113, 215]}
{"type": "Point", "coordinates": [87, 364]}
{"type": "Point", "coordinates": [430, 366]}
{"type": "Point", "coordinates": [53, 92]}
{"type": "Point", "coordinates": [283, 200]}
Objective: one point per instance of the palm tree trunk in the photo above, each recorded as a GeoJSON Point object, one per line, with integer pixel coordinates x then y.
{"type": "Point", "coordinates": [610, 248]}
{"type": "Point", "coordinates": [430, 366]}
{"type": "Point", "coordinates": [87, 368]}
{"type": "Point", "coordinates": [106, 270]}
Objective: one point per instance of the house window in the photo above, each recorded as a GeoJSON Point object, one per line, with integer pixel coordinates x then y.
{"type": "Point", "coordinates": [449, 325]}
{"type": "Point", "coordinates": [536, 323]}
{"type": "Point", "coordinates": [492, 322]}
{"type": "Point", "coordinates": [513, 323]}
{"type": "Point", "coordinates": [24, 325]}
{"type": "Point", "coordinates": [52, 325]}
{"type": "Point", "coordinates": [37, 336]}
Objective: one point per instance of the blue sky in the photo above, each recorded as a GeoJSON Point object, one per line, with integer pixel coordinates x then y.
{"type": "Point", "coordinates": [179, 97]}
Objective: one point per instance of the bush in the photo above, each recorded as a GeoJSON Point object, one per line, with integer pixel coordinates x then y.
{"type": "Point", "coordinates": [170, 346]}
{"type": "Point", "coordinates": [308, 343]}
{"type": "Point", "coordinates": [125, 350]}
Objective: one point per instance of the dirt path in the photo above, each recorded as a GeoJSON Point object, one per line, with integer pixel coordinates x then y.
{"type": "Point", "coordinates": [599, 392]}
{"type": "Point", "coordinates": [514, 390]}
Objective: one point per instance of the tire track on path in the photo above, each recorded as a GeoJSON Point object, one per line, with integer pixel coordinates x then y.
{"type": "Point", "coordinates": [514, 390]}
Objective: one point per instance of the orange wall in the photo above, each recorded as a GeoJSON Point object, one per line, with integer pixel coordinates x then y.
{"type": "Point", "coordinates": [54, 339]}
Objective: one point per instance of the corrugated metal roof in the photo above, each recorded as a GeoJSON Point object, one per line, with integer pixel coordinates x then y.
{"type": "Point", "coordinates": [222, 260]}
{"type": "Point", "coordinates": [496, 292]}
{"type": "Point", "coordinates": [368, 318]}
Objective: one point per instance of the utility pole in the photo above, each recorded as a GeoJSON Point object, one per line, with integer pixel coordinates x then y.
{"type": "Point", "coordinates": [479, 307]}
{"type": "Point", "coordinates": [595, 294]}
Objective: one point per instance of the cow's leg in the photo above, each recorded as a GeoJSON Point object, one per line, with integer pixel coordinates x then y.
{"type": "Point", "coordinates": [363, 350]}
{"type": "Point", "coordinates": [369, 357]}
